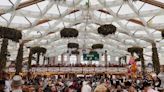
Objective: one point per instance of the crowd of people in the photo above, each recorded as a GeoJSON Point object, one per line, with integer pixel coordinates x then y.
{"type": "Point", "coordinates": [96, 83]}
{"type": "Point", "coordinates": [82, 65]}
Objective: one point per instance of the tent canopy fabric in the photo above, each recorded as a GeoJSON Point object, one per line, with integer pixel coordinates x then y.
{"type": "Point", "coordinates": [138, 22]}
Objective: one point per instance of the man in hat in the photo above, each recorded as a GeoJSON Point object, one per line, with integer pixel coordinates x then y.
{"type": "Point", "coordinates": [17, 83]}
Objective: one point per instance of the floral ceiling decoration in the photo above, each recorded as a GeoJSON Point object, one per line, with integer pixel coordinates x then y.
{"type": "Point", "coordinates": [68, 32]}
{"type": "Point", "coordinates": [107, 29]}
{"type": "Point", "coordinates": [97, 46]}
{"type": "Point", "coordinates": [73, 45]}
{"type": "Point", "coordinates": [50, 23]}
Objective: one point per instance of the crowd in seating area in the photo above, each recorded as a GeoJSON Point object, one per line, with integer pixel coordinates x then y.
{"type": "Point", "coordinates": [95, 83]}
{"type": "Point", "coordinates": [82, 65]}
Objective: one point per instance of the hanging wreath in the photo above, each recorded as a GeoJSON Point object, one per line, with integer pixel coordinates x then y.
{"type": "Point", "coordinates": [137, 50]}
{"type": "Point", "coordinates": [107, 29]}
{"type": "Point", "coordinates": [93, 52]}
{"type": "Point", "coordinates": [97, 46]}
{"type": "Point", "coordinates": [38, 49]}
{"type": "Point", "coordinates": [69, 32]}
{"type": "Point", "coordinates": [76, 52]}
{"type": "Point", "coordinates": [73, 45]}
{"type": "Point", "coordinates": [10, 33]}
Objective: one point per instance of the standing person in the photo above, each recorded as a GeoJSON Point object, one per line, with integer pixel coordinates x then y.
{"type": "Point", "coordinates": [147, 87]}
{"type": "Point", "coordinates": [2, 85]}
{"type": "Point", "coordinates": [101, 88]}
{"type": "Point", "coordinates": [17, 83]}
{"type": "Point", "coordinates": [86, 87]}
{"type": "Point", "coordinates": [7, 83]}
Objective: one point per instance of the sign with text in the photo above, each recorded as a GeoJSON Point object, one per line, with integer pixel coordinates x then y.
{"type": "Point", "coordinates": [92, 56]}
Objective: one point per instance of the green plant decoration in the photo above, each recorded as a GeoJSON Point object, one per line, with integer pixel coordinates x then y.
{"type": "Point", "coordinates": [97, 46]}
{"type": "Point", "coordinates": [76, 52]}
{"type": "Point", "coordinates": [10, 33]}
{"type": "Point", "coordinates": [34, 50]}
{"type": "Point", "coordinates": [139, 52]}
{"type": "Point", "coordinates": [19, 59]}
{"type": "Point", "coordinates": [3, 55]}
{"type": "Point", "coordinates": [162, 33]}
{"type": "Point", "coordinates": [69, 32]}
{"type": "Point", "coordinates": [135, 50]}
{"type": "Point", "coordinates": [155, 58]}
{"type": "Point", "coordinates": [73, 45]}
{"type": "Point", "coordinates": [29, 60]}
{"type": "Point", "coordinates": [107, 29]}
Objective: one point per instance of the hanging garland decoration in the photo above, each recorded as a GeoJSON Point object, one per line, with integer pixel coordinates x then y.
{"type": "Point", "coordinates": [97, 46]}
{"type": "Point", "coordinates": [3, 55]}
{"type": "Point", "coordinates": [107, 29]}
{"type": "Point", "coordinates": [7, 33]}
{"type": "Point", "coordinates": [162, 33]}
{"type": "Point", "coordinates": [93, 52]}
{"type": "Point", "coordinates": [139, 52]}
{"type": "Point", "coordinates": [155, 59]}
{"type": "Point", "coordinates": [34, 50]}
{"type": "Point", "coordinates": [76, 52]}
{"type": "Point", "coordinates": [69, 32]}
{"type": "Point", "coordinates": [19, 59]}
{"type": "Point", "coordinates": [38, 49]}
{"type": "Point", "coordinates": [10, 33]}
{"type": "Point", "coordinates": [73, 45]}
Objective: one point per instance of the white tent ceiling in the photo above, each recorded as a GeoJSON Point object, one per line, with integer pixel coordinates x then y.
{"type": "Point", "coordinates": [137, 22]}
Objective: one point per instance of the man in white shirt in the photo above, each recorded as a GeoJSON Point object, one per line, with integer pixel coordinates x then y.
{"type": "Point", "coordinates": [86, 87]}
{"type": "Point", "coordinates": [7, 84]}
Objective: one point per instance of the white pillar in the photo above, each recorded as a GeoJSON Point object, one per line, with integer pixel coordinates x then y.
{"type": "Point", "coordinates": [100, 58]}
{"type": "Point", "coordinates": [161, 58]}
{"type": "Point", "coordinates": [56, 59]}
{"type": "Point", "coordinates": [68, 59]}
{"type": "Point", "coordinates": [112, 59]}
{"type": "Point", "coordinates": [62, 59]}
{"type": "Point", "coordinates": [106, 59]}
{"type": "Point", "coordinates": [78, 58]}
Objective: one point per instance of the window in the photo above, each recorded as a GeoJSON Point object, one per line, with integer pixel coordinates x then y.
{"type": "Point", "coordinates": [65, 57]}
{"type": "Point", "coordinates": [116, 58]}
{"type": "Point", "coordinates": [108, 57]}
{"type": "Point", "coordinates": [59, 58]}
{"type": "Point", "coordinates": [73, 59]}
{"type": "Point", "coordinates": [102, 57]}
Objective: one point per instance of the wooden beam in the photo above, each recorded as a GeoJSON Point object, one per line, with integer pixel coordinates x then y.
{"type": "Point", "coordinates": [131, 20]}
{"type": "Point", "coordinates": [136, 21]}
{"type": "Point", "coordinates": [74, 11]}
{"type": "Point", "coordinates": [42, 21]}
{"type": "Point", "coordinates": [104, 11]}
{"type": "Point", "coordinates": [25, 4]}
{"type": "Point", "coordinates": [154, 2]}
{"type": "Point", "coordinates": [28, 3]}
